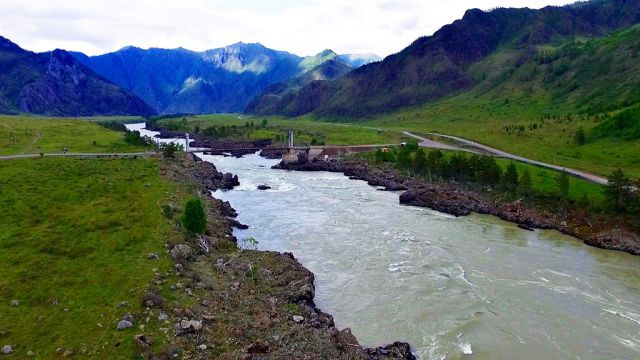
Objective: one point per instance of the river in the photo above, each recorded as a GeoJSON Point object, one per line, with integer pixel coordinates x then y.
{"type": "Point", "coordinates": [472, 287]}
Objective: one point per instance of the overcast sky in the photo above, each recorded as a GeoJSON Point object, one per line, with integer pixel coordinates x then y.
{"type": "Point", "coordinates": [303, 27]}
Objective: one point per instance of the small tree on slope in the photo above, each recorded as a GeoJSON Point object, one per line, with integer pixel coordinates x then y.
{"type": "Point", "coordinates": [194, 219]}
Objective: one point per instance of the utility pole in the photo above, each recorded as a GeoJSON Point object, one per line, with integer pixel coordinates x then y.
{"type": "Point", "coordinates": [290, 139]}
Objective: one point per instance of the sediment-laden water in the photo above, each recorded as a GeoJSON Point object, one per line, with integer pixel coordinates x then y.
{"type": "Point", "coordinates": [454, 288]}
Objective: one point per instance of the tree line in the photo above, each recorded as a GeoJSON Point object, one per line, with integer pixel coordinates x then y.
{"type": "Point", "coordinates": [621, 194]}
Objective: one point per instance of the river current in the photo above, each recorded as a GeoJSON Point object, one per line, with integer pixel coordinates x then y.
{"type": "Point", "coordinates": [472, 287]}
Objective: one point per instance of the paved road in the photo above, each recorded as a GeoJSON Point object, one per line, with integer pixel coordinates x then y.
{"type": "Point", "coordinates": [352, 146]}
{"type": "Point", "coordinates": [78, 155]}
{"type": "Point", "coordinates": [428, 143]}
{"type": "Point", "coordinates": [577, 173]}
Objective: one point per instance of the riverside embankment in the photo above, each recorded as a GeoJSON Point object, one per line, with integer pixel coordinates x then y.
{"type": "Point", "coordinates": [248, 303]}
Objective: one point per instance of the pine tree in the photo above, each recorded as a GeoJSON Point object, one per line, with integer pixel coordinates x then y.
{"type": "Point", "coordinates": [526, 186]}
{"type": "Point", "coordinates": [404, 159]}
{"type": "Point", "coordinates": [433, 162]}
{"type": "Point", "coordinates": [420, 162]}
{"type": "Point", "coordinates": [617, 190]}
{"type": "Point", "coordinates": [511, 178]}
{"type": "Point", "coordinates": [194, 218]}
{"type": "Point", "coordinates": [491, 172]}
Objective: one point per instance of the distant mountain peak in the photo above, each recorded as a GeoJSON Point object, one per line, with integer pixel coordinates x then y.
{"type": "Point", "coordinates": [184, 81]}
{"type": "Point", "coordinates": [311, 62]}
{"type": "Point", "coordinates": [327, 52]}
{"type": "Point", "coordinates": [130, 48]}
{"type": "Point", "coordinates": [6, 44]}
{"type": "Point", "coordinates": [358, 60]}
{"type": "Point", "coordinates": [244, 45]}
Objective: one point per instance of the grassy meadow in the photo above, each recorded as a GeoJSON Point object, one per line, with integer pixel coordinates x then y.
{"type": "Point", "coordinates": [33, 135]}
{"type": "Point", "coordinates": [544, 181]}
{"type": "Point", "coordinates": [545, 99]}
{"type": "Point", "coordinates": [74, 240]}
{"type": "Point", "coordinates": [551, 142]}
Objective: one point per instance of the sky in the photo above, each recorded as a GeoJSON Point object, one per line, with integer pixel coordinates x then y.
{"type": "Point", "coordinates": [302, 27]}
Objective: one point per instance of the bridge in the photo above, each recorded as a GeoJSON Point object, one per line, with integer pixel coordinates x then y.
{"type": "Point", "coordinates": [230, 149]}
{"type": "Point", "coordinates": [291, 153]}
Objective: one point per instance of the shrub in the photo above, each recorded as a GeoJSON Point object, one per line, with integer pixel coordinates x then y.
{"type": "Point", "coordinates": [580, 138]}
{"type": "Point", "coordinates": [169, 150]}
{"type": "Point", "coordinates": [134, 138]}
{"type": "Point", "coordinates": [167, 211]}
{"type": "Point", "coordinates": [151, 299]}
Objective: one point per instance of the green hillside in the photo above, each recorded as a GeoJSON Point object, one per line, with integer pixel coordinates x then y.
{"type": "Point", "coordinates": [535, 109]}
{"type": "Point", "coordinates": [482, 52]}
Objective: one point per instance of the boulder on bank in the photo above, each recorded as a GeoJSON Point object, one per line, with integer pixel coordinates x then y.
{"type": "Point", "coordinates": [181, 252]}
{"type": "Point", "coordinates": [397, 350]}
{"type": "Point", "coordinates": [238, 225]}
{"type": "Point", "coordinates": [125, 324]}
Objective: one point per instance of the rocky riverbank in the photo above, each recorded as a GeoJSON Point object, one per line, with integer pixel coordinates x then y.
{"type": "Point", "coordinates": [250, 304]}
{"type": "Point", "coordinates": [454, 199]}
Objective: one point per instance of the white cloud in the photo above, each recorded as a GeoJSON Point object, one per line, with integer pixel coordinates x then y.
{"type": "Point", "coordinates": [301, 27]}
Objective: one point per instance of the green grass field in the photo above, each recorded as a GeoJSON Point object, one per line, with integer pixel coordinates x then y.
{"type": "Point", "coordinates": [74, 240]}
{"type": "Point", "coordinates": [544, 181]}
{"type": "Point", "coordinates": [306, 129]}
{"type": "Point", "coordinates": [552, 143]}
{"type": "Point", "coordinates": [32, 135]}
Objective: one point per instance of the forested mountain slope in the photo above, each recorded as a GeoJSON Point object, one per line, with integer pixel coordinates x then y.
{"type": "Point", "coordinates": [54, 83]}
{"type": "Point", "coordinates": [496, 49]}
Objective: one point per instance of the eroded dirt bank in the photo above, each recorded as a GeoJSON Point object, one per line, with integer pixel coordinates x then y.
{"type": "Point", "coordinates": [248, 304]}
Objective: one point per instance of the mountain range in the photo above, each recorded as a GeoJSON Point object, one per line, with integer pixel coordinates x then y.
{"type": "Point", "coordinates": [582, 57]}
{"type": "Point", "coordinates": [135, 81]}
{"type": "Point", "coordinates": [212, 81]}
{"type": "Point", "coordinates": [551, 52]}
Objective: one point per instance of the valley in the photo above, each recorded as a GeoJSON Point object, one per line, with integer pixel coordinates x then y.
{"type": "Point", "coordinates": [474, 194]}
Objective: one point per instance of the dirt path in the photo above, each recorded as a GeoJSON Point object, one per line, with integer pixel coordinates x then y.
{"type": "Point", "coordinates": [78, 155]}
